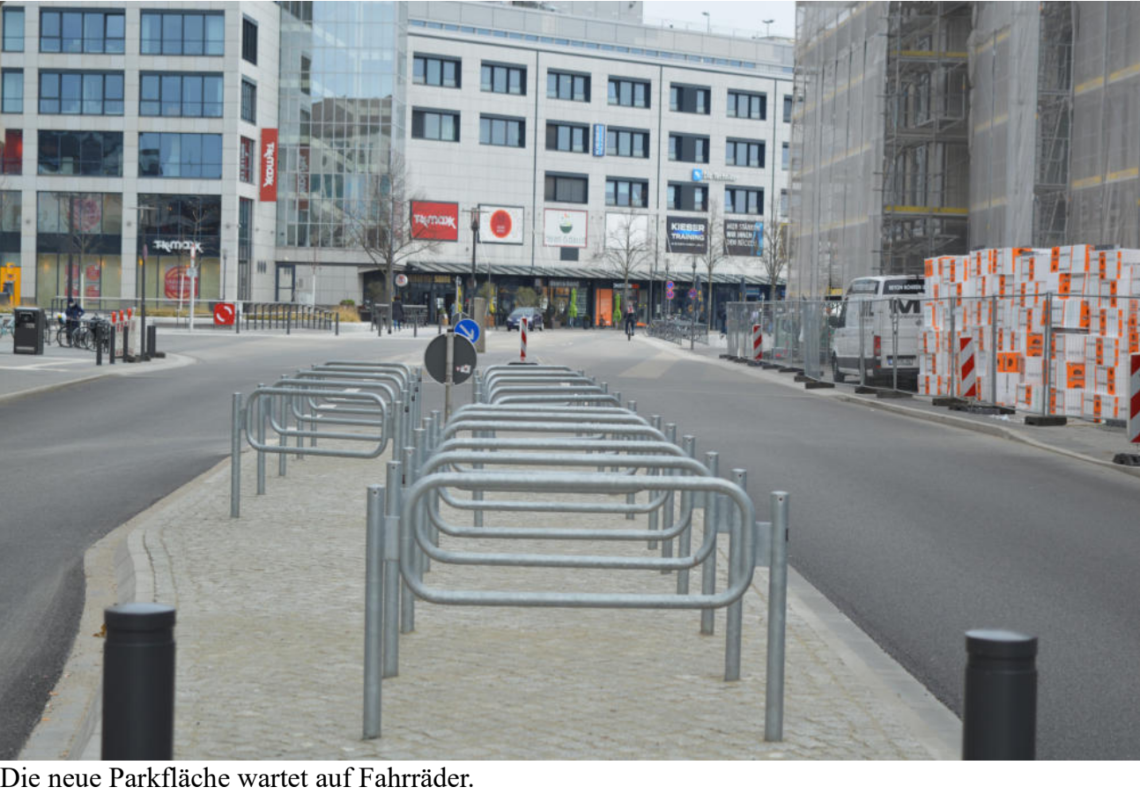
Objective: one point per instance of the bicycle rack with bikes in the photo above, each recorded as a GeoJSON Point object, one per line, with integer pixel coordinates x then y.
{"type": "Point", "coordinates": [541, 436]}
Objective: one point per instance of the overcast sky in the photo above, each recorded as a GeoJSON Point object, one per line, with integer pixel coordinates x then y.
{"type": "Point", "coordinates": [747, 14]}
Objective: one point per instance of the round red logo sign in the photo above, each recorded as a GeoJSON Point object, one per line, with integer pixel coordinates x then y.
{"type": "Point", "coordinates": [501, 224]}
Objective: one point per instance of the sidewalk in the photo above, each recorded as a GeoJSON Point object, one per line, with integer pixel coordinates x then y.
{"type": "Point", "coordinates": [22, 375]}
{"type": "Point", "coordinates": [270, 651]}
{"type": "Point", "coordinates": [1083, 440]}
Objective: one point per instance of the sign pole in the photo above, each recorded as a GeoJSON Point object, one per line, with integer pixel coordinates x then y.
{"type": "Point", "coordinates": [193, 280]}
{"type": "Point", "coordinates": [449, 375]}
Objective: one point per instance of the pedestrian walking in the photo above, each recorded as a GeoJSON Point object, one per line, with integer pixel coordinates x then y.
{"type": "Point", "coordinates": [398, 313]}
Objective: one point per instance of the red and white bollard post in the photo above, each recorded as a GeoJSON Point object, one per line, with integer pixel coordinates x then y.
{"type": "Point", "coordinates": [522, 331]}
{"type": "Point", "coordinates": [757, 343]}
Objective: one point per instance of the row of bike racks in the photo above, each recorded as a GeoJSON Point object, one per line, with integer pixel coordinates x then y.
{"type": "Point", "coordinates": [363, 406]}
{"type": "Point", "coordinates": [562, 440]}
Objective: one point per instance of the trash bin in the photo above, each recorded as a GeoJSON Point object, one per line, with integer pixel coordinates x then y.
{"type": "Point", "coordinates": [31, 324]}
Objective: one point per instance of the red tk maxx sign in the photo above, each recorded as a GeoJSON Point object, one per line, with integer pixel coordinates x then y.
{"type": "Point", "coordinates": [269, 164]}
{"type": "Point", "coordinates": [431, 220]}
{"type": "Point", "coordinates": [223, 314]}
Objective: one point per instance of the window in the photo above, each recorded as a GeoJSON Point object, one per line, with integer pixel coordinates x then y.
{"type": "Point", "coordinates": [689, 99]}
{"type": "Point", "coordinates": [687, 197]}
{"type": "Point", "coordinates": [14, 30]}
{"type": "Point", "coordinates": [82, 31]}
{"type": "Point", "coordinates": [627, 192]}
{"type": "Point", "coordinates": [505, 131]}
{"type": "Point", "coordinates": [12, 162]}
{"type": "Point", "coordinates": [787, 108]}
{"type": "Point", "coordinates": [688, 148]}
{"type": "Point", "coordinates": [95, 93]}
{"type": "Point", "coordinates": [568, 86]}
{"type": "Point", "coordinates": [438, 125]}
{"type": "Point", "coordinates": [249, 40]}
{"type": "Point", "coordinates": [13, 92]}
{"type": "Point", "coordinates": [504, 80]}
{"type": "Point", "coordinates": [177, 33]}
{"type": "Point", "coordinates": [748, 105]}
{"type": "Point", "coordinates": [784, 156]}
{"type": "Point", "coordinates": [89, 153]}
{"type": "Point", "coordinates": [567, 188]}
{"type": "Point", "coordinates": [743, 200]}
{"type": "Point", "coordinates": [180, 95]}
{"type": "Point", "coordinates": [245, 160]}
{"type": "Point", "coordinates": [783, 203]}
{"type": "Point", "coordinates": [623, 142]}
{"type": "Point", "coordinates": [744, 153]}
{"type": "Point", "coordinates": [180, 155]}
{"type": "Point", "coordinates": [623, 92]}
{"type": "Point", "coordinates": [567, 137]}
{"type": "Point", "coordinates": [435, 71]}
{"type": "Point", "coordinates": [248, 101]}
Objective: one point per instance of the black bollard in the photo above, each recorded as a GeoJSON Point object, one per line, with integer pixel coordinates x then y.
{"type": "Point", "coordinates": [99, 345]}
{"type": "Point", "coordinates": [151, 341]}
{"type": "Point", "coordinates": [138, 682]}
{"type": "Point", "coordinates": [338, 324]}
{"type": "Point", "coordinates": [999, 717]}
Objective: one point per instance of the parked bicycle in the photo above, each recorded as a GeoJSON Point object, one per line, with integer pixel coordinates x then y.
{"type": "Point", "coordinates": [7, 326]}
{"type": "Point", "coordinates": [84, 334]}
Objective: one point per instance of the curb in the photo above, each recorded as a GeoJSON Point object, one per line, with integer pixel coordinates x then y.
{"type": "Point", "coordinates": [171, 362]}
{"type": "Point", "coordinates": [117, 570]}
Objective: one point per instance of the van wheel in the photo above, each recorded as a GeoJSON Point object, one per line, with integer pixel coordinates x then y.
{"type": "Point", "coordinates": [836, 376]}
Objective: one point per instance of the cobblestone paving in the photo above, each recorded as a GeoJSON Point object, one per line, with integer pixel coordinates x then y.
{"type": "Point", "coordinates": [270, 650]}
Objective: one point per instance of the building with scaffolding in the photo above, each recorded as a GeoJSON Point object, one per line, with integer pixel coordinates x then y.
{"type": "Point", "coordinates": [928, 128]}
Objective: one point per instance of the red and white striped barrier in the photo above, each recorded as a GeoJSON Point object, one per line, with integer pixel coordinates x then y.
{"type": "Point", "coordinates": [967, 369]}
{"type": "Point", "coordinates": [522, 332]}
{"type": "Point", "coordinates": [757, 342]}
{"type": "Point", "coordinates": [1134, 401]}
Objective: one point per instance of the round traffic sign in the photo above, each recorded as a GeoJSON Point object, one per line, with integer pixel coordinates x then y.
{"type": "Point", "coordinates": [693, 292]}
{"type": "Point", "coordinates": [469, 329]}
{"type": "Point", "coordinates": [668, 285]}
{"type": "Point", "coordinates": [401, 280]}
{"type": "Point", "coordinates": [223, 314]}
{"type": "Point", "coordinates": [463, 360]}
{"type": "Point", "coordinates": [670, 294]}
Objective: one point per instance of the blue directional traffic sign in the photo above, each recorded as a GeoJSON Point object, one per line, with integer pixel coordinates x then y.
{"type": "Point", "coordinates": [469, 329]}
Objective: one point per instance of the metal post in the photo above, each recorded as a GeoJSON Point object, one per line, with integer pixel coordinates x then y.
{"type": "Point", "coordinates": [777, 615]}
{"type": "Point", "coordinates": [337, 329]}
{"type": "Point", "coordinates": [895, 349]}
{"type": "Point", "coordinates": [953, 352]}
{"type": "Point", "coordinates": [1046, 402]}
{"type": "Point", "coordinates": [708, 568]}
{"type": "Point", "coordinates": [138, 682]}
{"type": "Point", "coordinates": [373, 610]}
{"type": "Point", "coordinates": [235, 458]}
{"type": "Point", "coordinates": [98, 332]}
{"type": "Point", "coordinates": [734, 615]}
{"type": "Point", "coordinates": [419, 442]}
{"type": "Point", "coordinates": [407, 598]}
{"type": "Point", "coordinates": [450, 367]}
{"type": "Point", "coordinates": [862, 346]}
{"type": "Point", "coordinates": [684, 543]}
{"type": "Point", "coordinates": [999, 714]}
{"type": "Point", "coordinates": [993, 349]}
{"type": "Point", "coordinates": [282, 440]}
{"type": "Point", "coordinates": [261, 404]}
{"type": "Point", "coordinates": [392, 580]}
{"type": "Point", "coordinates": [288, 320]}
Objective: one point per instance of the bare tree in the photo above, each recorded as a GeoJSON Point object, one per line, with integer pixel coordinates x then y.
{"type": "Point", "coordinates": [775, 254]}
{"type": "Point", "coordinates": [628, 245]}
{"type": "Point", "coordinates": [83, 221]}
{"type": "Point", "coordinates": [381, 225]}
{"type": "Point", "coordinates": [715, 254]}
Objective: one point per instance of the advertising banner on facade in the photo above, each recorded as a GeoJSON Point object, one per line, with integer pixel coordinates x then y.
{"type": "Point", "coordinates": [625, 231]}
{"type": "Point", "coordinates": [269, 164]}
{"type": "Point", "coordinates": [501, 225]}
{"type": "Point", "coordinates": [432, 220]}
{"type": "Point", "coordinates": [564, 228]}
{"type": "Point", "coordinates": [687, 234]}
{"type": "Point", "coordinates": [744, 237]}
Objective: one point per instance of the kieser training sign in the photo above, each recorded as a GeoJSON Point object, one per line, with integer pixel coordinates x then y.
{"type": "Point", "coordinates": [432, 220]}
{"type": "Point", "coordinates": [687, 234]}
{"type": "Point", "coordinates": [269, 164]}
{"type": "Point", "coordinates": [564, 228]}
{"type": "Point", "coordinates": [501, 224]}
{"type": "Point", "coordinates": [744, 237]}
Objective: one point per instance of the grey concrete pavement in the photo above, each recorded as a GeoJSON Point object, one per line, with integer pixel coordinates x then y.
{"type": "Point", "coordinates": [270, 651]}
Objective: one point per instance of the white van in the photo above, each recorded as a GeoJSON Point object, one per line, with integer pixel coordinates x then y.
{"type": "Point", "coordinates": [882, 301]}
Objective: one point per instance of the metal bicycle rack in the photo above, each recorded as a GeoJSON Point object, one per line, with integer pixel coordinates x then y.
{"type": "Point", "coordinates": [542, 423]}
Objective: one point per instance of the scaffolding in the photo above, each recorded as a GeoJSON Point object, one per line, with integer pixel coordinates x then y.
{"type": "Point", "coordinates": [925, 150]}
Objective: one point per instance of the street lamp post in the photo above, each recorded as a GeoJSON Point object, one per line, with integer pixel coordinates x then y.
{"type": "Point", "coordinates": [767, 27]}
{"type": "Point", "coordinates": [693, 309]}
{"type": "Point", "coordinates": [474, 245]}
{"type": "Point", "coordinates": [708, 19]}
{"type": "Point", "coordinates": [142, 216]}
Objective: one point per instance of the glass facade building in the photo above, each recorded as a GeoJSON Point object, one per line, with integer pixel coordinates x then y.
{"type": "Point", "coordinates": [341, 109]}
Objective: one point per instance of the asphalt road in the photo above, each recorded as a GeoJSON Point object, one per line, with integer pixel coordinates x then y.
{"type": "Point", "coordinates": [79, 461]}
{"type": "Point", "coordinates": [920, 532]}
{"type": "Point", "coordinates": [917, 531]}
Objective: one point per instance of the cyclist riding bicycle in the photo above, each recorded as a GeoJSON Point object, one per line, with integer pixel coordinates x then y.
{"type": "Point", "coordinates": [630, 319]}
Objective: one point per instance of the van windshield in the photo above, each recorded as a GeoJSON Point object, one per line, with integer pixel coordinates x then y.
{"type": "Point", "coordinates": [909, 286]}
{"type": "Point", "coordinates": [865, 286]}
